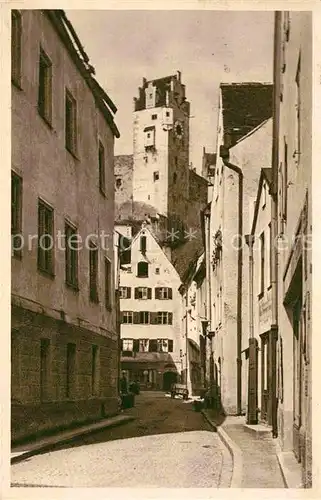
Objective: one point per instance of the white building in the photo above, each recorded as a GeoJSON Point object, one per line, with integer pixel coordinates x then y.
{"type": "Point", "coordinates": [152, 340]}
{"type": "Point", "coordinates": [244, 142]}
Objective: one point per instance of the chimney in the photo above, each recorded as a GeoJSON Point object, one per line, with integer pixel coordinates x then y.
{"type": "Point", "coordinates": [179, 74]}
{"type": "Point", "coordinates": [144, 82]}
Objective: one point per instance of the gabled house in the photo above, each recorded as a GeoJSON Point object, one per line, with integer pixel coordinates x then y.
{"type": "Point", "coordinates": [152, 343]}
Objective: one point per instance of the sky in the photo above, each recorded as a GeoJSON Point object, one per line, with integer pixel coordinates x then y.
{"type": "Point", "coordinates": [208, 47]}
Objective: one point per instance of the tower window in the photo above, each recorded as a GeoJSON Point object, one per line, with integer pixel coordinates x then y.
{"type": "Point", "coordinates": [154, 117]}
{"type": "Point", "coordinates": [167, 114]}
{"type": "Point", "coordinates": [156, 176]}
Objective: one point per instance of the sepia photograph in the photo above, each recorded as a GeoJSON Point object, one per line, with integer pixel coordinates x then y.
{"type": "Point", "coordinates": [161, 249]}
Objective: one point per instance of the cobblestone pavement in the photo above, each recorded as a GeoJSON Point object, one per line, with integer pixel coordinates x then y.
{"type": "Point", "coordinates": [168, 445]}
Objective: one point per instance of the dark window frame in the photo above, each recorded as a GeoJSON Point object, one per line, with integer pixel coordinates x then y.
{"type": "Point", "coordinates": [16, 48]}
{"type": "Point", "coordinates": [71, 256]}
{"type": "Point", "coordinates": [93, 272]}
{"type": "Point", "coordinates": [45, 87]}
{"type": "Point", "coordinates": [16, 211]}
{"type": "Point", "coordinates": [46, 256]}
{"type": "Point", "coordinates": [262, 264]}
{"type": "Point", "coordinates": [140, 266]}
{"type": "Point", "coordinates": [70, 123]}
{"type": "Point", "coordinates": [108, 283]}
{"type": "Point", "coordinates": [102, 168]}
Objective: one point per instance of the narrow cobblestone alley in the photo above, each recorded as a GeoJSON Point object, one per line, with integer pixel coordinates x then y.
{"type": "Point", "coordinates": [167, 445]}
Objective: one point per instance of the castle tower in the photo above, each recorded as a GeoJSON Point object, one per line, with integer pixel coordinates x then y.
{"type": "Point", "coordinates": [161, 146]}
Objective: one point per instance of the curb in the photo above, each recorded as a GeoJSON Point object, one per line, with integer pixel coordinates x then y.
{"type": "Point", "coordinates": [38, 449]}
{"type": "Point", "coordinates": [235, 451]}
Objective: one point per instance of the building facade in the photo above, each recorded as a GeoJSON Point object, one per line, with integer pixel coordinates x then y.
{"type": "Point", "coordinates": [293, 53]}
{"type": "Point", "coordinates": [152, 342]}
{"type": "Point", "coordinates": [64, 340]}
{"type": "Point", "coordinates": [244, 141]}
{"type": "Point", "coordinates": [260, 296]}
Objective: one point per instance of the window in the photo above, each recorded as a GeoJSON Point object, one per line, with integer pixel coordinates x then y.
{"type": "Point", "coordinates": [143, 318]}
{"type": "Point", "coordinates": [70, 123]}
{"type": "Point", "coordinates": [152, 345]}
{"type": "Point", "coordinates": [156, 176]}
{"type": "Point", "coordinates": [16, 214]}
{"type": "Point", "coordinates": [127, 317]}
{"type": "Point", "coordinates": [16, 34]}
{"type": "Point", "coordinates": [143, 345]}
{"type": "Point", "coordinates": [71, 255]}
{"type": "Point", "coordinates": [45, 238]}
{"type": "Point", "coordinates": [142, 269]}
{"type": "Point", "coordinates": [163, 293]}
{"type": "Point", "coordinates": [264, 195]}
{"type": "Point", "coordinates": [148, 135]}
{"type": "Point", "coordinates": [44, 368]}
{"type": "Point", "coordinates": [45, 87]}
{"type": "Point", "coordinates": [271, 249]}
{"type": "Point", "coordinates": [154, 117]}
{"type": "Point", "coordinates": [127, 344]}
{"type": "Point", "coordinates": [285, 183]}
{"type": "Point", "coordinates": [162, 345]}
{"type": "Point", "coordinates": [71, 370]}
{"type": "Point", "coordinates": [164, 318]}
{"type": "Point", "coordinates": [101, 162]}
{"type": "Point", "coordinates": [262, 263]}
{"type": "Point", "coordinates": [118, 182]}
{"type": "Point", "coordinates": [125, 292]}
{"type": "Point", "coordinates": [143, 293]}
{"type": "Point", "coordinates": [143, 244]}
{"type": "Point", "coordinates": [93, 272]}
{"type": "Point", "coordinates": [297, 151]}
{"type": "Point", "coordinates": [108, 284]}
{"type": "Point", "coordinates": [94, 370]}
{"type": "Point", "coordinates": [174, 177]}
{"type": "Point", "coordinates": [157, 270]}
{"type": "Point", "coordinates": [167, 114]}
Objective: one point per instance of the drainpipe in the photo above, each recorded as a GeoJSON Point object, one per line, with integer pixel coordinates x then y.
{"type": "Point", "coordinates": [252, 396]}
{"type": "Point", "coordinates": [224, 154]}
{"type": "Point", "coordinates": [274, 213]}
{"type": "Point", "coordinates": [208, 287]}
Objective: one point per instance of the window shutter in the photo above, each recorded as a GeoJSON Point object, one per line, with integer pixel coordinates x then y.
{"type": "Point", "coordinates": [136, 345]}
{"type": "Point", "coordinates": [136, 318]}
{"type": "Point", "coordinates": [170, 293]}
{"type": "Point", "coordinates": [121, 317]}
{"type": "Point", "coordinates": [157, 293]}
{"type": "Point", "coordinates": [121, 344]}
{"type": "Point", "coordinates": [149, 293]}
{"type": "Point", "coordinates": [129, 292]}
{"type": "Point", "coordinates": [170, 345]}
{"type": "Point", "coordinates": [136, 293]}
{"type": "Point", "coordinates": [170, 318]}
{"type": "Point", "coordinates": [153, 345]}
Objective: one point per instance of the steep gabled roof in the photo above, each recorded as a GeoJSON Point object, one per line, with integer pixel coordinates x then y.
{"type": "Point", "coordinates": [244, 107]}
{"type": "Point", "coordinates": [266, 174]}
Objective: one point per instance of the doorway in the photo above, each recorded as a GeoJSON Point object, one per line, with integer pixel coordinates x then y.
{"type": "Point", "coordinates": [169, 378]}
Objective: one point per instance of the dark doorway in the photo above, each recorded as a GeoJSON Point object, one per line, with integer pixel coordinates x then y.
{"type": "Point", "coordinates": [169, 378]}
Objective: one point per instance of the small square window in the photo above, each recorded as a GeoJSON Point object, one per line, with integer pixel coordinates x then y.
{"type": "Point", "coordinates": [154, 117]}
{"type": "Point", "coordinates": [157, 270]}
{"type": "Point", "coordinates": [148, 135]}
